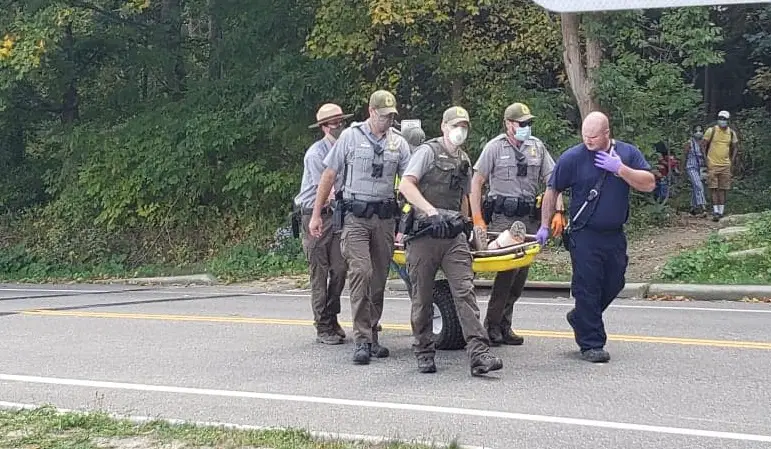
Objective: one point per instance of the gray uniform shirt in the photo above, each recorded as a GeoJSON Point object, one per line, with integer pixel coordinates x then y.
{"type": "Point", "coordinates": [352, 157]}
{"type": "Point", "coordinates": [313, 163]}
{"type": "Point", "coordinates": [498, 163]}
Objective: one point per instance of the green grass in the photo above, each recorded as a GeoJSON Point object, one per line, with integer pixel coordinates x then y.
{"type": "Point", "coordinates": [46, 428]}
{"type": "Point", "coordinates": [710, 263]}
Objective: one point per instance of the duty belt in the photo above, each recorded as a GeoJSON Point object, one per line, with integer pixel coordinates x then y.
{"type": "Point", "coordinates": [364, 209]}
{"type": "Point", "coordinates": [513, 207]}
{"type": "Point", "coordinates": [326, 210]}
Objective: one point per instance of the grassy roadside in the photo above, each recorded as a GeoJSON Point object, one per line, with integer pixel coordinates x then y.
{"type": "Point", "coordinates": [715, 261]}
{"type": "Point", "coordinates": [46, 428]}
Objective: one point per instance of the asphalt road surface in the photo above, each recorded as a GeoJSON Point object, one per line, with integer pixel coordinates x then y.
{"type": "Point", "coordinates": [682, 375]}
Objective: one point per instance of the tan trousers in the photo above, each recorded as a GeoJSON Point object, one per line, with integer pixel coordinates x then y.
{"type": "Point", "coordinates": [367, 245]}
{"type": "Point", "coordinates": [508, 285]}
{"type": "Point", "coordinates": [327, 270]}
{"type": "Point", "coordinates": [425, 255]}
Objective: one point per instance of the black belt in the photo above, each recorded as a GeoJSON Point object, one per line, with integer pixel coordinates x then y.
{"type": "Point", "coordinates": [386, 209]}
{"type": "Point", "coordinates": [326, 210]}
{"type": "Point", "coordinates": [513, 206]}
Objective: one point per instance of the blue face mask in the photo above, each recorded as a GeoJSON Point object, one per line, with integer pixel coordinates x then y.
{"type": "Point", "coordinates": [722, 123]}
{"type": "Point", "coordinates": [523, 133]}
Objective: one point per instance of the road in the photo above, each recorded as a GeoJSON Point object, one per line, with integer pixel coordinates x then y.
{"type": "Point", "coordinates": [689, 374]}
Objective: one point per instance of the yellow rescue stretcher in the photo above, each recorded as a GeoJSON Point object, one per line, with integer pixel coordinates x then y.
{"type": "Point", "coordinates": [447, 332]}
{"type": "Point", "coordinates": [492, 261]}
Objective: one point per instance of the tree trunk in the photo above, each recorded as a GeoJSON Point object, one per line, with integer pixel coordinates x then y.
{"type": "Point", "coordinates": [70, 108]}
{"type": "Point", "coordinates": [171, 17]}
{"type": "Point", "coordinates": [580, 72]}
{"type": "Point", "coordinates": [215, 37]}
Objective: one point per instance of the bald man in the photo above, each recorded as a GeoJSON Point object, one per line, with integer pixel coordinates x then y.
{"type": "Point", "coordinates": [599, 173]}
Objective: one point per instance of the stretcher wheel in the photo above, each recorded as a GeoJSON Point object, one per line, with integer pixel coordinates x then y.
{"type": "Point", "coordinates": [448, 334]}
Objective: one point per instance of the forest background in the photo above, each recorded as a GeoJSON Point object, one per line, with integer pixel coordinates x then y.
{"type": "Point", "coordinates": [144, 137]}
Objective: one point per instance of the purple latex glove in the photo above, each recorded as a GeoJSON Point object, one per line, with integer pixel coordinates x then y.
{"type": "Point", "coordinates": [542, 235]}
{"type": "Point", "coordinates": [608, 161]}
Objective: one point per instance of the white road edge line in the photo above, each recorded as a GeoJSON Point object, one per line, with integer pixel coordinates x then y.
{"type": "Point", "coordinates": [390, 298]}
{"type": "Point", "coordinates": [390, 405]}
{"type": "Point", "coordinates": [327, 436]}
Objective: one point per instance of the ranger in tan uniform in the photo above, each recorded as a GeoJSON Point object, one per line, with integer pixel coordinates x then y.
{"type": "Point", "coordinates": [513, 162]}
{"type": "Point", "coordinates": [325, 262]}
{"type": "Point", "coordinates": [436, 183]}
{"type": "Point", "coordinates": [369, 155]}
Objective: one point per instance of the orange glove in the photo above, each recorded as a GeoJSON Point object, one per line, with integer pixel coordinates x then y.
{"type": "Point", "coordinates": [479, 221]}
{"type": "Point", "coordinates": [558, 223]}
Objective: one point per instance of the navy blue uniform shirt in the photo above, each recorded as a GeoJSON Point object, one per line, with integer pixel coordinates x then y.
{"type": "Point", "coordinates": [575, 170]}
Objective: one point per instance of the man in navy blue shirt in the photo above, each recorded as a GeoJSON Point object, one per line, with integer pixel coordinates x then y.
{"type": "Point", "coordinates": [595, 237]}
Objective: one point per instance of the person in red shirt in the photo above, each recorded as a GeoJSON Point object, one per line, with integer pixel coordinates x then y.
{"type": "Point", "coordinates": [666, 164]}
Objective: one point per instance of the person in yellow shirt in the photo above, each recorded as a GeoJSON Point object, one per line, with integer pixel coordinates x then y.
{"type": "Point", "coordinates": [720, 146]}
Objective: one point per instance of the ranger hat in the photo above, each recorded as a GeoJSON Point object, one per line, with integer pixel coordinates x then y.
{"type": "Point", "coordinates": [383, 102]}
{"type": "Point", "coordinates": [518, 112]}
{"type": "Point", "coordinates": [455, 115]}
{"type": "Point", "coordinates": [328, 113]}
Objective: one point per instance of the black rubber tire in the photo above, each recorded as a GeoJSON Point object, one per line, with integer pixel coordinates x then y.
{"type": "Point", "coordinates": [451, 336]}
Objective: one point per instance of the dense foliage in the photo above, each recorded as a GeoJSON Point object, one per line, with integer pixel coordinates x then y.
{"type": "Point", "coordinates": [142, 132]}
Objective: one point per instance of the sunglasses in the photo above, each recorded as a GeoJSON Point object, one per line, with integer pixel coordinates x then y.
{"type": "Point", "coordinates": [526, 123]}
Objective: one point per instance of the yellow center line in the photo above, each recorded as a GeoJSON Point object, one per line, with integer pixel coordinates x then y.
{"type": "Point", "coordinates": [402, 327]}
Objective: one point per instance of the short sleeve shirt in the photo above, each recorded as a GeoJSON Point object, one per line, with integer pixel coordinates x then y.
{"type": "Point", "coordinates": [500, 161]}
{"type": "Point", "coordinates": [575, 170]}
{"type": "Point", "coordinates": [313, 167]}
{"type": "Point", "coordinates": [421, 161]}
{"type": "Point", "coordinates": [352, 156]}
{"type": "Point", "coordinates": [719, 147]}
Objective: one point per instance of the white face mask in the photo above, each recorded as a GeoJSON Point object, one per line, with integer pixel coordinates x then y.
{"type": "Point", "coordinates": [522, 133]}
{"type": "Point", "coordinates": [458, 135]}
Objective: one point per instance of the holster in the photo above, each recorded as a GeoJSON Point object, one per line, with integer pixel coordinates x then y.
{"type": "Point", "coordinates": [338, 213]}
{"type": "Point", "coordinates": [488, 207]}
{"type": "Point", "coordinates": [296, 219]}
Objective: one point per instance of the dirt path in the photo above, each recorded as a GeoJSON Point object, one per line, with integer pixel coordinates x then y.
{"type": "Point", "coordinates": [648, 251]}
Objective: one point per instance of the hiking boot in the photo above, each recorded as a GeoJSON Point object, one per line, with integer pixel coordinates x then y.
{"type": "Point", "coordinates": [376, 350]}
{"type": "Point", "coordinates": [426, 364]}
{"type": "Point", "coordinates": [329, 338]}
{"type": "Point", "coordinates": [509, 337]}
{"type": "Point", "coordinates": [379, 328]}
{"type": "Point", "coordinates": [495, 336]}
{"type": "Point", "coordinates": [338, 329]}
{"type": "Point", "coordinates": [595, 355]}
{"type": "Point", "coordinates": [361, 353]}
{"type": "Point", "coordinates": [379, 352]}
{"type": "Point", "coordinates": [484, 363]}
{"type": "Point", "coordinates": [518, 232]}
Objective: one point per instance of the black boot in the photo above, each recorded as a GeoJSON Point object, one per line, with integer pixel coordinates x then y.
{"type": "Point", "coordinates": [361, 353]}
{"type": "Point", "coordinates": [426, 364]}
{"type": "Point", "coordinates": [377, 350]}
{"type": "Point", "coordinates": [509, 337]}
